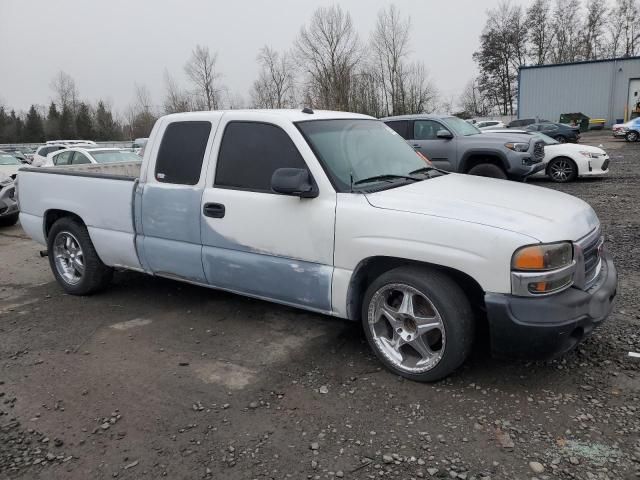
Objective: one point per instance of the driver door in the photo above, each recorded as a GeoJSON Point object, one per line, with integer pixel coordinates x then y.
{"type": "Point", "coordinates": [424, 138]}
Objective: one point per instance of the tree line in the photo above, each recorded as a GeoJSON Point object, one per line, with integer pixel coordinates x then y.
{"type": "Point", "coordinates": [546, 32]}
{"type": "Point", "coordinates": [329, 66]}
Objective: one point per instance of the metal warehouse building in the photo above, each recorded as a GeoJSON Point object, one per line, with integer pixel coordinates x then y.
{"type": "Point", "coordinates": [607, 89]}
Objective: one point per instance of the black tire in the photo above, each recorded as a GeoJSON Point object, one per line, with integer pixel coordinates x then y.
{"type": "Point", "coordinates": [562, 170]}
{"type": "Point", "coordinates": [631, 136]}
{"type": "Point", "coordinates": [560, 138]}
{"type": "Point", "coordinates": [488, 170]}
{"type": "Point", "coordinates": [96, 275]}
{"type": "Point", "coordinates": [9, 220]}
{"type": "Point", "coordinates": [450, 303]}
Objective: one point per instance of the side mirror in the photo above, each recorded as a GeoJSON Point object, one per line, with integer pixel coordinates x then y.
{"type": "Point", "coordinates": [294, 181]}
{"type": "Point", "coordinates": [446, 134]}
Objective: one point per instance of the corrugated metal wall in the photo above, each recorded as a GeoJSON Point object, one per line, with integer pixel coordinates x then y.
{"type": "Point", "coordinates": [597, 89]}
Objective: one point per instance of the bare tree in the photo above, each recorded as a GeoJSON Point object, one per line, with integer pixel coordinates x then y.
{"type": "Point", "coordinates": [275, 86]}
{"type": "Point", "coordinates": [593, 29]}
{"type": "Point", "coordinates": [201, 70]}
{"type": "Point", "coordinates": [540, 30]}
{"type": "Point", "coordinates": [419, 93]}
{"type": "Point", "coordinates": [140, 114]}
{"type": "Point", "coordinates": [175, 100]}
{"type": "Point", "coordinates": [566, 31]}
{"type": "Point", "coordinates": [66, 92]}
{"type": "Point", "coordinates": [472, 101]}
{"type": "Point", "coordinates": [329, 52]}
{"type": "Point", "coordinates": [390, 47]}
{"type": "Point", "coordinates": [624, 28]}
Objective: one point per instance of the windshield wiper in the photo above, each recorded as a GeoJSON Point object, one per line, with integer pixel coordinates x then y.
{"type": "Point", "coordinates": [386, 177]}
{"type": "Point", "coordinates": [427, 170]}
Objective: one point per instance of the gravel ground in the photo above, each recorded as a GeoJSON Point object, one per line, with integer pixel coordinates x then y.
{"type": "Point", "coordinates": [155, 378]}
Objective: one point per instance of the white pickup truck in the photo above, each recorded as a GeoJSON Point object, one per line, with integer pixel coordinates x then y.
{"type": "Point", "coordinates": [333, 212]}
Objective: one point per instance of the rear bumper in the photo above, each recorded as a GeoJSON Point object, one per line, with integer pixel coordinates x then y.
{"type": "Point", "coordinates": [8, 201]}
{"type": "Point", "coordinates": [547, 327]}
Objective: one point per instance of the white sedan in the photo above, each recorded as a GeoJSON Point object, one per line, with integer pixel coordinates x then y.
{"type": "Point", "coordinates": [568, 161]}
{"type": "Point", "coordinates": [88, 154]}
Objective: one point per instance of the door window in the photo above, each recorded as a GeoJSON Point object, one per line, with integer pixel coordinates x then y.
{"type": "Point", "coordinates": [62, 158]}
{"type": "Point", "coordinates": [401, 127]}
{"type": "Point", "coordinates": [182, 152]}
{"type": "Point", "coordinates": [426, 130]}
{"type": "Point", "coordinates": [79, 158]}
{"type": "Point", "coordinates": [249, 154]}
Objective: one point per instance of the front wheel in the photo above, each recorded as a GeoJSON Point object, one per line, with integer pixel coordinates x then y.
{"type": "Point", "coordinates": [488, 170]}
{"type": "Point", "coordinates": [562, 170]}
{"type": "Point", "coordinates": [419, 323]}
{"type": "Point", "coordinates": [73, 259]}
{"type": "Point", "coordinates": [631, 136]}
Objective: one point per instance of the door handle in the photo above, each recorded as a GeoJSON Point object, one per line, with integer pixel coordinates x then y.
{"type": "Point", "coordinates": [415, 145]}
{"type": "Point", "coordinates": [213, 210]}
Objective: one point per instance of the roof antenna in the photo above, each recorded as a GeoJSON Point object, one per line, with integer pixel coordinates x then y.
{"type": "Point", "coordinates": [307, 110]}
{"type": "Point", "coordinates": [351, 180]}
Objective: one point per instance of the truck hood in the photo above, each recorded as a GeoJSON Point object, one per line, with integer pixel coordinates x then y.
{"type": "Point", "coordinates": [491, 138]}
{"type": "Point", "coordinates": [540, 213]}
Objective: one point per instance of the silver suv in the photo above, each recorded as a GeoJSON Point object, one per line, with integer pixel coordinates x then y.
{"type": "Point", "coordinates": [457, 146]}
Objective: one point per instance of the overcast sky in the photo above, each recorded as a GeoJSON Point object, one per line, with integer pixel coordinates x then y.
{"type": "Point", "coordinates": [108, 45]}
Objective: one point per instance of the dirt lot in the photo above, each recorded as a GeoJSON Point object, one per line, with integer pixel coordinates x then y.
{"type": "Point", "coordinates": [155, 378]}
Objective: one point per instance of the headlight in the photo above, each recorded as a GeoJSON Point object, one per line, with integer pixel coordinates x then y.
{"type": "Point", "coordinates": [541, 269]}
{"type": "Point", "coordinates": [591, 154]}
{"type": "Point", "coordinates": [517, 147]}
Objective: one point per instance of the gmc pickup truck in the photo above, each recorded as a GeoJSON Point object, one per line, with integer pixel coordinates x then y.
{"type": "Point", "coordinates": [333, 212]}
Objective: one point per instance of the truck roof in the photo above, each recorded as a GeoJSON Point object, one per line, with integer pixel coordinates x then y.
{"type": "Point", "coordinates": [293, 115]}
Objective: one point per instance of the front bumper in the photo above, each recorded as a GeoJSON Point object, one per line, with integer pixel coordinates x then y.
{"type": "Point", "coordinates": [547, 327]}
{"type": "Point", "coordinates": [8, 200]}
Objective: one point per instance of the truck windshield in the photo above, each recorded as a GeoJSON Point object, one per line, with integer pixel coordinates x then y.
{"type": "Point", "coordinates": [355, 150]}
{"type": "Point", "coordinates": [460, 127]}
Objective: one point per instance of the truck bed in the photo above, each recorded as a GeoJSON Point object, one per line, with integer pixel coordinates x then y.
{"type": "Point", "coordinates": [100, 194]}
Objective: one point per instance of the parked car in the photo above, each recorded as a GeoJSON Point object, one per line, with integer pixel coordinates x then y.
{"type": "Point", "coordinates": [16, 152]}
{"type": "Point", "coordinates": [10, 164]}
{"type": "Point", "coordinates": [565, 162]}
{"type": "Point", "coordinates": [559, 131]}
{"type": "Point", "coordinates": [8, 203]}
{"type": "Point", "coordinates": [333, 212]}
{"type": "Point", "coordinates": [139, 144]}
{"type": "Point", "coordinates": [490, 125]}
{"type": "Point", "coordinates": [88, 154]}
{"type": "Point", "coordinates": [71, 142]}
{"type": "Point", "coordinates": [523, 122]}
{"type": "Point", "coordinates": [630, 130]}
{"type": "Point", "coordinates": [40, 157]}
{"type": "Point", "coordinates": [457, 146]}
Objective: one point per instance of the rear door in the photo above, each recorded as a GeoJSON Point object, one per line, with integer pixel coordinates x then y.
{"type": "Point", "coordinates": [258, 242]}
{"type": "Point", "coordinates": [169, 209]}
{"type": "Point", "coordinates": [441, 151]}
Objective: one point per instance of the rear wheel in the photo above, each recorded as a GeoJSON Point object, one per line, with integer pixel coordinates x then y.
{"type": "Point", "coordinates": [488, 170]}
{"type": "Point", "coordinates": [562, 170]}
{"type": "Point", "coordinates": [419, 323]}
{"type": "Point", "coordinates": [9, 220]}
{"type": "Point", "coordinates": [73, 259]}
{"type": "Point", "coordinates": [560, 139]}
{"type": "Point", "coordinates": [631, 136]}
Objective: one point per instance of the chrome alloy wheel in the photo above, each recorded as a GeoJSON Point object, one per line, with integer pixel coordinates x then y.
{"type": "Point", "coordinates": [406, 328]}
{"type": "Point", "coordinates": [68, 257]}
{"type": "Point", "coordinates": [561, 170]}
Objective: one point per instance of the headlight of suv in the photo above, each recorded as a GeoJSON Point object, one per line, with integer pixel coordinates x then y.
{"type": "Point", "coordinates": [542, 269]}
{"type": "Point", "coordinates": [517, 147]}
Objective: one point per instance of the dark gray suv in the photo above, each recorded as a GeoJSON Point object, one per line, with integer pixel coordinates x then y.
{"type": "Point", "coordinates": [457, 146]}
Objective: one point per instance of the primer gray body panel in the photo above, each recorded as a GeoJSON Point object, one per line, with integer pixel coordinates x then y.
{"type": "Point", "coordinates": [285, 280]}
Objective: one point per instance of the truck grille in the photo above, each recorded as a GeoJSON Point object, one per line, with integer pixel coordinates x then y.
{"type": "Point", "coordinates": [538, 151]}
{"type": "Point", "coordinates": [590, 250]}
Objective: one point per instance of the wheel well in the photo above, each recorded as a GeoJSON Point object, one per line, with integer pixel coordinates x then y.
{"type": "Point", "coordinates": [51, 216]}
{"type": "Point", "coordinates": [478, 159]}
{"type": "Point", "coordinates": [371, 268]}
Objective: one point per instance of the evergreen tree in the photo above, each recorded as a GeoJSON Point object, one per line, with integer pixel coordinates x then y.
{"type": "Point", "coordinates": [14, 130]}
{"type": "Point", "coordinates": [4, 123]}
{"type": "Point", "coordinates": [34, 127]}
{"type": "Point", "coordinates": [84, 125]}
{"type": "Point", "coordinates": [67, 124]}
{"type": "Point", "coordinates": [106, 127]}
{"type": "Point", "coordinates": [52, 125]}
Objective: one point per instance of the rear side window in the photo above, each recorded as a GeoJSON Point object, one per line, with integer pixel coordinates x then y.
{"type": "Point", "coordinates": [62, 158]}
{"type": "Point", "coordinates": [249, 154]}
{"type": "Point", "coordinates": [79, 158]}
{"type": "Point", "coordinates": [401, 127]}
{"type": "Point", "coordinates": [182, 152]}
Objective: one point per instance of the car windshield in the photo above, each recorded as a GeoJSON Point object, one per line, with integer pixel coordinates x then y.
{"type": "Point", "coordinates": [9, 160]}
{"type": "Point", "coordinates": [353, 150]}
{"type": "Point", "coordinates": [545, 138]}
{"type": "Point", "coordinates": [115, 156]}
{"type": "Point", "coordinates": [460, 127]}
